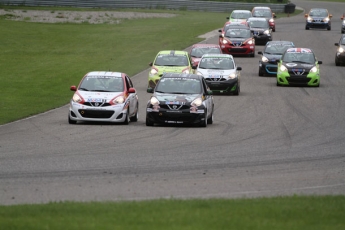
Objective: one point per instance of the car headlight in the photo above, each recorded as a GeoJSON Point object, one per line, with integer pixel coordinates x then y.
{"type": "Point", "coordinates": [267, 32]}
{"type": "Point", "coordinates": [197, 102]}
{"type": "Point", "coordinates": [153, 71]}
{"type": "Point", "coordinates": [232, 76]}
{"type": "Point", "coordinates": [225, 41]}
{"type": "Point", "coordinates": [264, 59]}
{"type": "Point", "coordinates": [119, 100]}
{"type": "Point", "coordinates": [250, 42]}
{"type": "Point", "coordinates": [326, 19]}
{"type": "Point", "coordinates": [341, 50]}
{"type": "Point", "coordinates": [76, 98]}
{"type": "Point", "coordinates": [313, 70]}
{"type": "Point", "coordinates": [154, 101]}
{"type": "Point", "coordinates": [271, 20]}
{"type": "Point", "coordinates": [344, 23]}
{"type": "Point", "coordinates": [283, 68]}
{"type": "Point", "coordinates": [309, 19]}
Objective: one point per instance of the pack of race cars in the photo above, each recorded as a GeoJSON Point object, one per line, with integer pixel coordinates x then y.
{"type": "Point", "coordinates": [183, 83]}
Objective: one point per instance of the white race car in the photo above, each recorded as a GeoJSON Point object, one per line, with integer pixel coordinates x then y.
{"type": "Point", "coordinates": [104, 97]}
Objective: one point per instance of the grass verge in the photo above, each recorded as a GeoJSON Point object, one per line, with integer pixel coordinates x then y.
{"type": "Point", "coordinates": [283, 213]}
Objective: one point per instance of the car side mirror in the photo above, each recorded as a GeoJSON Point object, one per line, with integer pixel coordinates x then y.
{"type": "Point", "coordinates": [219, 31]}
{"type": "Point", "coordinates": [227, 17]}
{"type": "Point", "coordinates": [260, 52]}
{"type": "Point", "coordinates": [149, 90]}
{"type": "Point", "coordinates": [319, 62]}
{"type": "Point", "coordinates": [73, 88]}
{"type": "Point", "coordinates": [342, 18]}
{"type": "Point", "coordinates": [150, 64]}
{"type": "Point", "coordinates": [239, 68]}
{"type": "Point", "coordinates": [306, 15]}
{"type": "Point", "coordinates": [330, 16]}
{"type": "Point", "coordinates": [131, 90]}
{"type": "Point", "coordinates": [336, 44]}
{"type": "Point", "coordinates": [220, 36]}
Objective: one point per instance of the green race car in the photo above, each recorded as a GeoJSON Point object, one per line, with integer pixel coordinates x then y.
{"type": "Point", "coordinates": [168, 61]}
{"type": "Point", "coordinates": [298, 67]}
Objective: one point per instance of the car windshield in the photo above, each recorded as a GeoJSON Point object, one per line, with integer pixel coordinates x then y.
{"type": "Point", "coordinates": [277, 49]}
{"type": "Point", "coordinates": [258, 24]}
{"type": "Point", "coordinates": [102, 84]}
{"type": "Point", "coordinates": [318, 13]}
{"type": "Point", "coordinates": [216, 63]}
{"type": "Point", "coordinates": [343, 41]}
{"type": "Point", "coordinates": [299, 57]}
{"type": "Point", "coordinates": [179, 86]}
{"type": "Point", "coordinates": [241, 15]}
{"type": "Point", "coordinates": [199, 51]}
{"type": "Point", "coordinates": [262, 13]}
{"type": "Point", "coordinates": [238, 33]}
{"type": "Point", "coordinates": [171, 60]}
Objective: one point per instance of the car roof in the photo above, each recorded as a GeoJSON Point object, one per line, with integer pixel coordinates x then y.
{"type": "Point", "coordinates": [299, 50]}
{"type": "Point", "coordinates": [261, 7]}
{"type": "Point", "coordinates": [181, 75]}
{"type": "Point", "coordinates": [173, 52]}
{"type": "Point", "coordinates": [241, 11]}
{"type": "Point", "coordinates": [217, 56]}
{"type": "Point", "coordinates": [105, 74]}
{"type": "Point", "coordinates": [279, 42]}
{"type": "Point", "coordinates": [256, 19]}
{"type": "Point", "coordinates": [205, 45]}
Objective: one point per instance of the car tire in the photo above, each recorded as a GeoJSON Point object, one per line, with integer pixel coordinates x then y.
{"type": "Point", "coordinates": [307, 28]}
{"type": "Point", "coordinates": [136, 116]}
{"type": "Point", "coordinates": [253, 54]}
{"type": "Point", "coordinates": [70, 121]}
{"type": "Point", "coordinates": [328, 28]}
{"type": "Point", "coordinates": [126, 122]}
{"type": "Point", "coordinates": [148, 122]}
{"type": "Point", "coordinates": [337, 63]}
{"type": "Point", "coordinates": [260, 73]}
{"type": "Point", "coordinates": [278, 84]}
{"type": "Point", "coordinates": [204, 122]}
{"type": "Point", "coordinates": [210, 120]}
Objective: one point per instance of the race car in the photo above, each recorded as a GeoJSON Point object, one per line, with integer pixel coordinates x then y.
{"type": "Point", "coordinates": [298, 67]}
{"type": "Point", "coordinates": [239, 15]}
{"type": "Point", "coordinates": [237, 40]}
{"type": "Point", "coordinates": [104, 97]}
{"type": "Point", "coordinates": [180, 99]}
{"type": "Point", "coordinates": [272, 52]}
{"type": "Point", "coordinates": [318, 18]}
{"type": "Point", "coordinates": [261, 30]}
{"type": "Point", "coordinates": [168, 61]}
{"type": "Point", "coordinates": [200, 49]}
{"type": "Point", "coordinates": [220, 72]}
{"type": "Point", "coordinates": [265, 12]}
{"type": "Point", "coordinates": [340, 54]}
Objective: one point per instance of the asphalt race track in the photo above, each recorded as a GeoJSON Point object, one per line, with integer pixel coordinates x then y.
{"type": "Point", "coordinates": [267, 141]}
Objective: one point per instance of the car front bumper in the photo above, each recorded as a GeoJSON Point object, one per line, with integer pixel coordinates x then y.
{"type": "Point", "coordinates": [223, 87]}
{"type": "Point", "coordinates": [320, 25]}
{"type": "Point", "coordinates": [340, 57]}
{"type": "Point", "coordinates": [114, 113]}
{"type": "Point", "coordinates": [238, 50]}
{"type": "Point", "coordinates": [284, 78]}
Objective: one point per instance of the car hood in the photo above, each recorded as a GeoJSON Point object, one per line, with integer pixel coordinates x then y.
{"type": "Point", "coordinates": [216, 72]}
{"type": "Point", "coordinates": [258, 29]}
{"type": "Point", "coordinates": [237, 40]}
{"type": "Point", "coordinates": [273, 57]}
{"type": "Point", "coordinates": [175, 98]}
{"type": "Point", "coordinates": [92, 96]}
{"type": "Point", "coordinates": [170, 69]}
{"type": "Point", "coordinates": [293, 65]}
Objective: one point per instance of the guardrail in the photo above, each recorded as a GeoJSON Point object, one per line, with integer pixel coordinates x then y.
{"type": "Point", "coordinates": [148, 4]}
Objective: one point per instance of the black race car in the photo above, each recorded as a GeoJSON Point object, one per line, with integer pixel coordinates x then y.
{"type": "Point", "coordinates": [272, 52]}
{"type": "Point", "coordinates": [261, 30]}
{"type": "Point", "coordinates": [340, 54]}
{"type": "Point", "coordinates": [180, 99]}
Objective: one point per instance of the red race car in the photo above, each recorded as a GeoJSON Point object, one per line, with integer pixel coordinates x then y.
{"type": "Point", "coordinates": [200, 49]}
{"type": "Point", "coordinates": [237, 40]}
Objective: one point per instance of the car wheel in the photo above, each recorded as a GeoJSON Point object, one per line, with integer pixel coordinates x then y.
{"type": "Point", "coordinates": [278, 84]}
{"type": "Point", "coordinates": [253, 54]}
{"type": "Point", "coordinates": [70, 121]}
{"type": "Point", "coordinates": [307, 28]}
{"type": "Point", "coordinates": [204, 122]}
{"type": "Point", "coordinates": [261, 73]}
{"type": "Point", "coordinates": [148, 122]}
{"type": "Point", "coordinates": [337, 63]}
{"type": "Point", "coordinates": [329, 28]}
{"type": "Point", "coordinates": [136, 116]}
{"type": "Point", "coordinates": [210, 120]}
{"type": "Point", "coordinates": [126, 122]}
{"type": "Point", "coordinates": [274, 30]}
{"type": "Point", "coordinates": [342, 31]}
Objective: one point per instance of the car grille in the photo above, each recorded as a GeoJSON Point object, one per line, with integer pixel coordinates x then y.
{"type": "Point", "coordinates": [96, 104]}
{"type": "Point", "coordinates": [178, 117]}
{"type": "Point", "coordinates": [298, 72]}
{"type": "Point", "coordinates": [237, 50]}
{"type": "Point", "coordinates": [215, 79]}
{"type": "Point", "coordinates": [174, 107]}
{"type": "Point", "coordinates": [95, 113]}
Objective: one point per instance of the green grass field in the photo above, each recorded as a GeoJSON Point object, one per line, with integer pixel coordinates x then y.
{"type": "Point", "coordinates": [279, 213]}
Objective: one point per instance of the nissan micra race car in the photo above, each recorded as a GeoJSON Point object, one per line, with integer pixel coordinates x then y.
{"type": "Point", "coordinates": [104, 97]}
{"type": "Point", "coordinates": [168, 61]}
{"type": "Point", "coordinates": [180, 99]}
{"type": "Point", "coordinates": [298, 67]}
{"type": "Point", "coordinates": [220, 72]}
